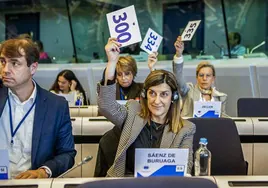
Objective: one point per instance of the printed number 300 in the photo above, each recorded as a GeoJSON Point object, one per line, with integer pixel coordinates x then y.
{"type": "Point", "coordinates": [122, 28]}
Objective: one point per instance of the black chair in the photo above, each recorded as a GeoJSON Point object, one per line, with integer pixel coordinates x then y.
{"type": "Point", "coordinates": [107, 150]}
{"type": "Point", "coordinates": [151, 182]}
{"type": "Point", "coordinates": [223, 143]}
{"type": "Point", "coordinates": [252, 107]}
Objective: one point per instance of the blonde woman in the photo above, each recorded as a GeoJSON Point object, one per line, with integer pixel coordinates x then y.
{"type": "Point", "coordinates": [203, 90]}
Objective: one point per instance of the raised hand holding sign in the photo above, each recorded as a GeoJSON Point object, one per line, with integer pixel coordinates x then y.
{"type": "Point", "coordinates": [123, 25]}
{"type": "Point", "coordinates": [151, 41]}
{"type": "Point", "coordinates": [189, 31]}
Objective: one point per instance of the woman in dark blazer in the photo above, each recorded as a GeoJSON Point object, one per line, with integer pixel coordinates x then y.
{"type": "Point", "coordinates": [156, 116]}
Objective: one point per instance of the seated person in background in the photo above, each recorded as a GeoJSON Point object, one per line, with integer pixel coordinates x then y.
{"type": "Point", "coordinates": [236, 48]}
{"type": "Point", "coordinates": [203, 90]}
{"type": "Point", "coordinates": [126, 87]}
{"type": "Point", "coordinates": [67, 83]}
{"type": "Point", "coordinates": [156, 115]}
{"type": "Point", "coordinates": [35, 124]}
{"type": "Point", "coordinates": [43, 56]}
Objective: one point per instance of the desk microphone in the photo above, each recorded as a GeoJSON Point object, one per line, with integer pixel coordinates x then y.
{"type": "Point", "coordinates": [84, 161]}
{"type": "Point", "coordinates": [216, 44]}
{"type": "Point", "coordinates": [259, 45]}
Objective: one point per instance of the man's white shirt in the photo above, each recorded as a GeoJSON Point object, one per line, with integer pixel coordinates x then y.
{"type": "Point", "coordinates": [20, 151]}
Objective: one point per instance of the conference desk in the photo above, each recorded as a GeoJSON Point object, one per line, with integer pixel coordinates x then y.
{"type": "Point", "coordinates": [221, 181]}
{"type": "Point", "coordinates": [253, 134]}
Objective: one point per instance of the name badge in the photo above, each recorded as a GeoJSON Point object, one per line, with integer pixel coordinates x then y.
{"type": "Point", "coordinates": [151, 41]}
{"type": "Point", "coordinates": [189, 31]}
{"type": "Point", "coordinates": [4, 164]}
{"type": "Point", "coordinates": [123, 25]}
{"type": "Point", "coordinates": [161, 162]}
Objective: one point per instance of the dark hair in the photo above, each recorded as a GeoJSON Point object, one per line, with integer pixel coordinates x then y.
{"type": "Point", "coordinates": [238, 37]}
{"type": "Point", "coordinates": [39, 45]}
{"type": "Point", "coordinates": [69, 75]}
{"type": "Point", "coordinates": [15, 48]}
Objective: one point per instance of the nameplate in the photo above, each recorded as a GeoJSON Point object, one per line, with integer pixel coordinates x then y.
{"type": "Point", "coordinates": [123, 25]}
{"type": "Point", "coordinates": [207, 109]}
{"type": "Point", "coordinates": [4, 164]}
{"type": "Point", "coordinates": [161, 162]}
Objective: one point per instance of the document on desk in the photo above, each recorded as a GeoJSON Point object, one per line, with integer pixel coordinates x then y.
{"type": "Point", "coordinates": [208, 109]}
{"type": "Point", "coordinates": [4, 164]}
{"type": "Point", "coordinates": [160, 162]}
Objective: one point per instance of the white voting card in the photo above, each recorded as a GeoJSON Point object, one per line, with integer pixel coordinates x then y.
{"type": "Point", "coordinates": [160, 162]}
{"type": "Point", "coordinates": [123, 25]}
{"type": "Point", "coordinates": [210, 109]}
{"type": "Point", "coordinates": [189, 31]}
{"type": "Point", "coordinates": [151, 41]}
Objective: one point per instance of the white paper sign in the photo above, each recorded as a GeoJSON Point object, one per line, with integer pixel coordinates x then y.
{"type": "Point", "coordinates": [4, 164]}
{"type": "Point", "coordinates": [161, 162]}
{"type": "Point", "coordinates": [123, 25]}
{"type": "Point", "coordinates": [207, 109]}
{"type": "Point", "coordinates": [189, 31]}
{"type": "Point", "coordinates": [151, 41]}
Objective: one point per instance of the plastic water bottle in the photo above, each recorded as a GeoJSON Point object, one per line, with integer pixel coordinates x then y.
{"type": "Point", "coordinates": [202, 163]}
{"type": "Point", "coordinates": [79, 101]}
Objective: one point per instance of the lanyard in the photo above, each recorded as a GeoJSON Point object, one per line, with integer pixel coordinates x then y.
{"type": "Point", "coordinates": [20, 123]}
{"type": "Point", "coordinates": [122, 96]}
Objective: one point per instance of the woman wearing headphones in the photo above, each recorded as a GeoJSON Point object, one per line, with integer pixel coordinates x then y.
{"type": "Point", "coordinates": [155, 122]}
{"type": "Point", "coordinates": [203, 90]}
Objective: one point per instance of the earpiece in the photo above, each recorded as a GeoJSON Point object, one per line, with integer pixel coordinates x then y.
{"type": "Point", "coordinates": [175, 96]}
{"type": "Point", "coordinates": [143, 93]}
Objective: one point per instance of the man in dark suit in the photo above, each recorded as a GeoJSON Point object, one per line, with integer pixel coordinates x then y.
{"type": "Point", "coordinates": [35, 124]}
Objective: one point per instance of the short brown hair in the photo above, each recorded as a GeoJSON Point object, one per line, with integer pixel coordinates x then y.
{"type": "Point", "coordinates": [127, 63]}
{"type": "Point", "coordinates": [12, 48]}
{"type": "Point", "coordinates": [155, 78]}
{"type": "Point", "coordinates": [204, 64]}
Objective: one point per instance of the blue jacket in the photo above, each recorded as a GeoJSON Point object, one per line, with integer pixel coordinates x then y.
{"type": "Point", "coordinates": [52, 140]}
